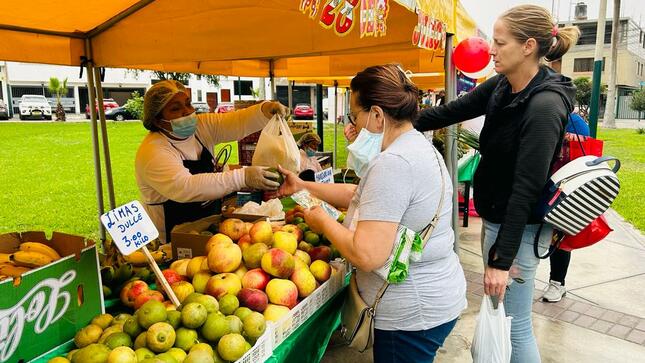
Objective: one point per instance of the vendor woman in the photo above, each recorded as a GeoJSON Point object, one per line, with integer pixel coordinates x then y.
{"type": "Point", "coordinates": [175, 168]}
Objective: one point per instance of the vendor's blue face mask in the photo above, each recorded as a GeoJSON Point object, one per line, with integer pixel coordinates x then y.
{"type": "Point", "coordinates": [183, 127]}
{"type": "Point", "coordinates": [365, 148]}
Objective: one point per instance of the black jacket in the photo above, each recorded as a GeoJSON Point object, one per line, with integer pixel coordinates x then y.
{"type": "Point", "coordinates": [522, 135]}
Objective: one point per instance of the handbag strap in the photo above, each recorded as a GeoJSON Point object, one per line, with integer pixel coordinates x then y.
{"type": "Point", "coordinates": [425, 234]}
{"type": "Point", "coordinates": [582, 148]}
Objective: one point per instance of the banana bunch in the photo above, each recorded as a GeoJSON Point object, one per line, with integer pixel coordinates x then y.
{"type": "Point", "coordinates": [30, 255]}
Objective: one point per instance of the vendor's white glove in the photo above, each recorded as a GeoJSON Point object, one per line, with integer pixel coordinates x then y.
{"type": "Point", "coordinates": [271, 108]}
{"type": "Point", "coordinates": [258, 177]}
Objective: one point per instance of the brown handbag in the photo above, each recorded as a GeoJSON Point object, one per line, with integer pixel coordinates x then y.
{"type": "Point", "coordinates": [357, 318]}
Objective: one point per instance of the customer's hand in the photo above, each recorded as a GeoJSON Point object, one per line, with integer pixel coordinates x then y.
{"type": "Point", "coordinates": [292, 183]}
{"type": "Point", "coordinates": [258, 177]}
{"type": "Point", "coordinates": [316, 218]}
{"type": "Point", "coordinates": [271, 108]}
{"type": "Point", "coordinates": [350, 132]}
{"type": "Point", "coordinates": [495, 281]}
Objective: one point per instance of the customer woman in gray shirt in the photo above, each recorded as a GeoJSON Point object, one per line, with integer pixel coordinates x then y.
{"type": "Point", "coordinates": [400, 184]}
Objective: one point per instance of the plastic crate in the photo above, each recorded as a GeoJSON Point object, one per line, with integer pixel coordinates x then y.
{"type": "Point", "coordinates": [262, 349]}
{"type": "Point", "coordinates": [307, 307]}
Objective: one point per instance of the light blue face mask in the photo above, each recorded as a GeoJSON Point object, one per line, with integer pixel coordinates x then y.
{"type": "Point", "coordinates": [365, 148]}
{"type": "Point", "coordinates": [183, 127]}
{"type": "Point", "coordinates": [310, 153]}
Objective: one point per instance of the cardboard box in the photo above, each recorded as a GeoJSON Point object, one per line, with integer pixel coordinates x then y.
{"type": "Point", "coordinates": [188, 243]}
{"type": "Point", "coordinates": [48, 305]}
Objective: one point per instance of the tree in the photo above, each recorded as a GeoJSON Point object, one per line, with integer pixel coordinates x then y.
{"type": "Point", "coordinates": [212, 79]}
{"type": "Point", "coordinates": [177, 76]}
{"type": "Point", "coordinates": [134, 105]}
{"type": "Point", "coordinates": [583, 94]}
{"type": "Point", "coordinates": [638, 102]}
{"type": "Point", "coordinates": [58, 89]}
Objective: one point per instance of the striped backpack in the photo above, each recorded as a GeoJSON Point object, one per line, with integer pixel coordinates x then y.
{"type": "Point", "coordinates": [578, 193]}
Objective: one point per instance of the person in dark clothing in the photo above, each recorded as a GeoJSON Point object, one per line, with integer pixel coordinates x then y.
{"type": "Point", "coordinates": [526, 107]}
{"type": "Point", "coordinates": [560, 259]}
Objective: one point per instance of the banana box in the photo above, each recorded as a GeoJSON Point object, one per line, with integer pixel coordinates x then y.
{"type": "Point", "coordinates": [49, 289]}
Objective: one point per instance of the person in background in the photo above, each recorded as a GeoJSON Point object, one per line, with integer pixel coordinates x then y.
{"type": "Point", "coordinates": [440, 99]}
{"type": "Point", "coordinates": [560, 259]}
{"type": "Point", "coordinates": [174, 165]}
{"type": "Point", "coordinates": [309, 165]}
{"type": "Point", "coordinates": [527, 107]}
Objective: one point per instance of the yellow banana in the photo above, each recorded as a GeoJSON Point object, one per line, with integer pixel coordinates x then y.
{"type": "Point", "coordinates": [136, 258]}
{"type": "Point", "coordinates": [40, 248]}
{"type": "Point", "coordinates": [167, 249]}
{"type": "Point", "coordinates": [30, 259]}
{"type": "Point", "coordinates": [5, 257]}
{"type": "Point", "coordinates": [13, 271]}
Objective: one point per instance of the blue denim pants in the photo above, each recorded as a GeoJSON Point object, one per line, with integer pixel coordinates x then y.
{"type": "Point", "coordinates": [518, 300]}
{"type": "Point", "coordinates": [398, 346]}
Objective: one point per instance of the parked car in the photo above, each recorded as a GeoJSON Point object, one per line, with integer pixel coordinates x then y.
{"type": "Point", "coordinates": [119, 114]}
{"type": "Point", "coordinates": [201, 107]}
{"type": "Point", "coordinates": [4, 112]}
{"type": "Point", "coordinates": [303, 111]}
{"type": "Point", "coordinates": [108, 104]}
{"type": "Point", "coordinates": [224, 108]}
{"type": "Point", "coordinates": [34, 106]}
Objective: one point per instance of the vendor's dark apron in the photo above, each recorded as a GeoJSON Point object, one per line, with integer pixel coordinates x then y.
{"type": "Point", "coordinates": [177, 213]}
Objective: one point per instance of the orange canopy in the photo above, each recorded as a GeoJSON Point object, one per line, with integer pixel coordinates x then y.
{"type": "Point", "coordinates": [227, 37]}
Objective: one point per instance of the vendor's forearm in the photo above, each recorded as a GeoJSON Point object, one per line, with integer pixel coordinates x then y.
{"type": "Point", "coordinates": [338, 195]}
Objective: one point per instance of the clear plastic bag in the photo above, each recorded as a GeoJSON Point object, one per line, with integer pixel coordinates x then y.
{"type": "Point", "coordinates": [276, 146]}
{"type": "Point", "coordinates": [492, 339]}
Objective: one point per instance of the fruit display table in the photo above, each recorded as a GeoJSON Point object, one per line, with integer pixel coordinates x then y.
{"type": "Point", "coordinates": [309, 342]}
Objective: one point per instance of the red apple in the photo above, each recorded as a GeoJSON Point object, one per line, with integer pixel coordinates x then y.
{"type": "Point", "coordinates": [293, 229]}
{"type": "Point", "coordinates": [255, 279]}
{"type": "Point", "coordinates": [320, 253]}
{"type": "Point", "coordinates": [171, 276]}
{"type": "Point", "coordinates": [131, 291]}
{"type": "Point", "coordinates": [253, 299]}
{"type": "Point", "coordinates": [147, 295]}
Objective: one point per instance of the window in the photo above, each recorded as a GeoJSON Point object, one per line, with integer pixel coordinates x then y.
{"type": "Point", "coordinates": [244, 88]}
{"type": "Point", "coordinates": [199, 77]}
{"type": "Point", "coordinates": [585, 64]}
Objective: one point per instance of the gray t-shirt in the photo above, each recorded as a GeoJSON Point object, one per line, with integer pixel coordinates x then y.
{"type": "Point", "coordinates": [403, 185]}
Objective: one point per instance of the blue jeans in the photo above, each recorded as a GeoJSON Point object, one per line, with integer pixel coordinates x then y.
{"type": "Point", "coordinates": [518, 300]}
{"type": "Point", "coordinates": [397, 346]}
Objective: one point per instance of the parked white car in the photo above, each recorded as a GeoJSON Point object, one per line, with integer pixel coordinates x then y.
{"type": "Point", "coordinates": [34, 106]}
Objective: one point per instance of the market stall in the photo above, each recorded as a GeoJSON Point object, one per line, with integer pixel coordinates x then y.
{"type": "Point", "coordinates": [319, 39]}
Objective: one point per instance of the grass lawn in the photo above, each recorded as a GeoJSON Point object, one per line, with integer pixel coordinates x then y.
{"type": "Point", "coordinates": [47, 173]}
{"type": "Point", "coordinates": [629, 147]}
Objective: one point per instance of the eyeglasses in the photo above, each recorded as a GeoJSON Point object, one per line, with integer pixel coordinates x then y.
{"type": "Point", "coordinates": [351, 119]}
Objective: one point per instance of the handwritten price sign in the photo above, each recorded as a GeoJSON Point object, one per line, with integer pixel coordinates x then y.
{"type": "Point", "coordinates": [130, 227]}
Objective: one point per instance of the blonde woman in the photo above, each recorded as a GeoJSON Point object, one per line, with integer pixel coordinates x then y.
{"type": "Point", "coordinates": [526, 108]}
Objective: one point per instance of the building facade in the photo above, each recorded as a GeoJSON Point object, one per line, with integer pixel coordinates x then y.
{"type": "Point", "coordinates": [17, 79]}
{"type": "Point", "coordinates": [630, 75]}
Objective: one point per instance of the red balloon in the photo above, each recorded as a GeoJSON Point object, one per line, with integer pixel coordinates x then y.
{"type": "Point", "coordinates": [471, 55]}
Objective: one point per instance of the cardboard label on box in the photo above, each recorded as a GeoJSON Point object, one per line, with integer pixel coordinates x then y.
{"type": "Point", "coordinates": [51, 303]}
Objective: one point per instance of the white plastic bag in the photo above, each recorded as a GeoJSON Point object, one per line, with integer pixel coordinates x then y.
{"type": "Point", "coordinates": [492, 340]}
{"type": "Point", "coordinates": [277, 146]}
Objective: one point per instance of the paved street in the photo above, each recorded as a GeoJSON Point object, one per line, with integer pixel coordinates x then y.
{"type": "Point", "coordinates": [602, 319]}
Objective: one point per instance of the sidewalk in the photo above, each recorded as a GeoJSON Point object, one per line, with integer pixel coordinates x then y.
{"type": "Point", "coordinates": [602, 318]}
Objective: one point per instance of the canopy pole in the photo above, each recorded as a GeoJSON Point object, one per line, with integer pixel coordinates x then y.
{"type": "Point", "coordinates": [272, 80]}
{"type": "Point", "coordinates": [104, 138]}
{"type": "Point", "coordinates": [290, 94]}
{"type": "Point", "coordinates": [95, 138]}
{"type": "Point", "coordinates": [450, 144]}
{"type": "Point", "coordinates": [335, 121]}
{"type": "Point", "coordinates": [319, 115]}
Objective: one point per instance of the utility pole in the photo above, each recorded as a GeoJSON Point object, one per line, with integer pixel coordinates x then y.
{"type": "Point", "coordinates": [610, 108]}
{"type": "Point", "coordinates": [597, 68]}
